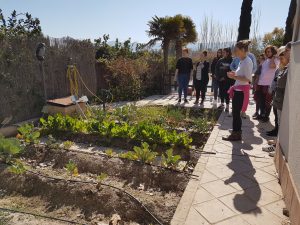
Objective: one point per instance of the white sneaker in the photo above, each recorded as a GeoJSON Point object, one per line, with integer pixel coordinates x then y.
{"type": "Point", "coordinates": [269, 149]}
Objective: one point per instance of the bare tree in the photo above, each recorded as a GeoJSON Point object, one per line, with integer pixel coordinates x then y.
{"type": "Point", "coordinates": [214, 34]}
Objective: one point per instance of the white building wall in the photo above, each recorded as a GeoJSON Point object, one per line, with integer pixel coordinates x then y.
{"type": "Point", "coordinates": [289, 134]}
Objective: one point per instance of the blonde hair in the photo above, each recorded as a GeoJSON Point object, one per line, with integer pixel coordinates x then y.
{"type": "Point", "coordinates": [185, 50]}
{"type": "Point", "coordinates": [243, 45]}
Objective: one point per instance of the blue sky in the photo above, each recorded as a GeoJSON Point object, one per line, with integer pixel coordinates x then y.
{"type": "Point", "coordinates": [128, 18]}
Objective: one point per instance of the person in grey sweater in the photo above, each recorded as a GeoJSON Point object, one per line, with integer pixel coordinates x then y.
{"type": "Point", "coordinates": [281, 81]}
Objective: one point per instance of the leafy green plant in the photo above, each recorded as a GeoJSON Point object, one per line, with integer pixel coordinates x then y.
{"type": "Point", "coordinates": [128, 155]}
{"type": "Point", "coordinates": [169, 160]}
{"type": "Point", "coordinates": [202, 125]}
{"type": "Point", "coordinates": [175, 115]}
{"type": "Point", "coordinates": [9, 147]}
{"type": "Point", "coordinates": [144, 154]}
{"type": "Point", "coordinates": [17, 167]}
{"type": "Point", "coordinates": [72, 168]}
{"type": "Point", "coordinates": [101, 177]}
{"type": "Point", "coordinates": [110, 152]}
{"type": "Point", "coordinates": [29, 133]}
{"type": "Point", "coordinates": [52, 142]}
{"type": "Point", "coordinates": [67, 144]}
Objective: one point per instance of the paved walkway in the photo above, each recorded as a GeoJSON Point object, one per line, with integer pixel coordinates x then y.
{"type": "Point", "coordinates": [236, 185]}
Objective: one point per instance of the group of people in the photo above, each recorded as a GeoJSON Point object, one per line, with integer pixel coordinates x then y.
{"type": "Point", "coordinates": [233, 77]}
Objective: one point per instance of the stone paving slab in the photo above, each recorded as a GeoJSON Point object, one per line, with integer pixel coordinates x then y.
{"type": "Point", "coordinates": [238, 184]}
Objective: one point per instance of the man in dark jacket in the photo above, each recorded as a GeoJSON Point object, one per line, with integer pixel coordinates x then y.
{"type": "Point", "coordinates": [201, 78]}
{"type": "Point", "coordinates": [222, 67]}
{"type": "Point", "coordinates": [215, 85]}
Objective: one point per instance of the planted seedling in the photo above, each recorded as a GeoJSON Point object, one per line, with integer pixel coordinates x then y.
{"type": "Point", "coordinates": [67, 144]}
{"type": "Point", "coordinates": [110, 152]}
{"type": "Point", "coordinates": [72, 168]}
{"type": "Point", "coordinates": [29, 133]}
{"type": "Point", "coordinates": [52, 142]}
{"type": "Point", "coordinates": [100, 178]}
{"type": "Point", "coordinates": [144, 154]}
{"type": "Point", "coordinates": [17, 167]}
{"type": "Point", "coordinates": [169, 160]}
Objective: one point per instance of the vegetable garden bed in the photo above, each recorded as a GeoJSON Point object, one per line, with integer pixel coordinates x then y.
{"type": "Point", "coordinates": [140, 172]}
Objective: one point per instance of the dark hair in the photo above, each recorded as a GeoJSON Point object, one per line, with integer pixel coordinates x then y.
{"type": "Point", "coordinates": [272, 48]}
{"type": "Point", "coordinates": [204, 53]}
{"type": "Point", "coordinates": [262, 55]}
{"type": "Point", "coordinates": [243, 45]}
{"type": "Point", "coordinates": [289, 45]}
{"type": "Point", "coordinates": [228, 50]}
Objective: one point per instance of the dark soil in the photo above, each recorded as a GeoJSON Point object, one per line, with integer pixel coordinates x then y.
{"type": "Point", "coordinates": [133, 173]}
{"type": "Point", "coordinates": [88, 198]}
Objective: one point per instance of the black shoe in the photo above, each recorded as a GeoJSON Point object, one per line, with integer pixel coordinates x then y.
{"type": "Point", "coordinates": [234, 136]}
{"type": "Point", "coordinates": [265, 119]}
{"type": "Point", "coordinates": [255, 115]}
{"type": "Point", "coordinates": [258, 117]}
{"type": "Point", "coordinates": [186, 101]}
{"type": "Point", "coordinates": [272, 133]}
{"type": "Point", "coordinates": [196, 102]}
{"type": "Point", "coordinates": [202, 102]}
{"type": "Point", "coordinates": [221, 106]}
{"type": "Point", "coordinates": [179, 100]}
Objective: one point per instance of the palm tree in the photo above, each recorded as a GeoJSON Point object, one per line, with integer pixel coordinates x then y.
{"type": "Point", "coordinates": [245, 20]}
{"type": "Point", "coordinates": [288, 36]}
{"type": "Point", "coordinates": [186, 33]}
{"type": "Point", "coordinates": [162, 30]}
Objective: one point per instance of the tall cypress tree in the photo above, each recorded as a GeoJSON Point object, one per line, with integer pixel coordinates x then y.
{"type": "Point", "coordinates": [289, 28]}
{"type": "Point", "coordinates": [245, 20]}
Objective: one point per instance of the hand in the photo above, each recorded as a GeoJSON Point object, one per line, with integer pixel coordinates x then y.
{"type": "Point", "coordinates": [231, 75]}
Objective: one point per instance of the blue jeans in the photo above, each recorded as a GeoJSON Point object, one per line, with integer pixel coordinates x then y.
{"type": "Point", "coordinates": [183, 83]}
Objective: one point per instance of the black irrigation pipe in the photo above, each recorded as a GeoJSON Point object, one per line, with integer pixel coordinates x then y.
{"type": "Point", "coordinates": [38, 215]}
{"type": "Point", "coordinates": [107, 185]}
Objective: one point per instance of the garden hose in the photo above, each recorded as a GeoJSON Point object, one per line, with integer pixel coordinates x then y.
{"type": "Point", "coordinates": [72, 76]}
{"type": "Point", "coordinates": [38, 215]}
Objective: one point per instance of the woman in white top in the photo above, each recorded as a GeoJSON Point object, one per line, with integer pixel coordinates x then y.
{"type": "Point", "coordinates": [241, 89]}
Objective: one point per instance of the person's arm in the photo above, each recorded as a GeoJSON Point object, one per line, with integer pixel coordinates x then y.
{"type": "Point", "coordinates": [246, 77]}
{"type": "Point", "coordinates": [217, 69]}
{"type": "Point", "coordinates": [281, 82]}
{"type": "Point", "coordinates": [191, 68]}
{"type": "Point", "coordinates": [273, 63]}
{"type": "Point", "coordinates": [213, 67]}
{"type": "Point", "coordinates": [177, 69]}
{"type": "Point", "coordinates": [233, 64]}
{"type": "Point", "coordinates": [176, 72]}
{"type": "Point", "coordinates": [233, 76]}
